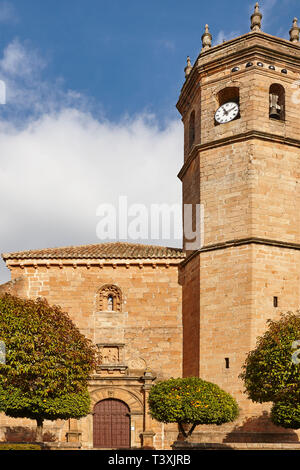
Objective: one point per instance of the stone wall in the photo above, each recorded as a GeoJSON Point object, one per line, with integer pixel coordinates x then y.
{"type": "Point", "coordinates": [143, 334]}
{"type": "Point", "coordinates": [246, 175]}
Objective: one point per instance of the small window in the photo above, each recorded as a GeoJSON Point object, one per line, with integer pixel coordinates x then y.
{"type": "Point", "coordinates": [275, 302]}
{"type": "Point", "coordinates": [277, 102]}
{"type": "Point", "coordinates": [109, 299]}
{"type": "Point", "coordinates": [192, 129]}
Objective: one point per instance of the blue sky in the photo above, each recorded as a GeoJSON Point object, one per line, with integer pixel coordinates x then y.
{"type": "Point", "coordinates": [128, 56]}
{"type": "Point", "coordinates": [90, 113]}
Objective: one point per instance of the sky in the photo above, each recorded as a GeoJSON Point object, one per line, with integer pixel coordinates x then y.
{"type": "Point", "coordinates": [91, 89]}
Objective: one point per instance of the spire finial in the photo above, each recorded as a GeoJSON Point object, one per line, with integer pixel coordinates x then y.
{"type": "Point", "coordinates": [206, 39]}
{"type": "Point", "coordinates": [256, 19]}
{"type": "Point", "coordinates": [188, 68]}
{"type": "Point", "coordinates": [294, 32]}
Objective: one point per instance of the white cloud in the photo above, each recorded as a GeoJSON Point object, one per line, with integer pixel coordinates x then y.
{"type": "Point", "coordinates": [28, 93]}
{"type": "Point", "coordinates": [167, 44]}
{"type": "Point", "coordinates": [270, 10]}
{"type": "Point", "coordinates": [7, 12]}
{"type": "Point", "coordinates": [283, 33]}
{"type": "Point", "coordinates": [58, 161]}
{"type": "Point", "coordinates": [223, 37]}
{"type": "Point", "coordinates": [55, 172]}
{"type": "Point", "coordinates": [267, 9]}
{"type": "Point", "coordinates": [19, 61]}
{"type": "Point", "coordinates": [267, 5]}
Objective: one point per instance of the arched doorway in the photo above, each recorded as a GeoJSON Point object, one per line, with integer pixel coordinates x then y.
{"type": "Point", "coordinates": [111, 424]}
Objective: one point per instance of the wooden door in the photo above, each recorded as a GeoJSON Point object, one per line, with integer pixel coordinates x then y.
{"type": "Point", "coordinates": [111, 424]}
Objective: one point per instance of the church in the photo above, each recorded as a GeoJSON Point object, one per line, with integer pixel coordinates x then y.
{"type": "Point", "coordinates": [156, 312]}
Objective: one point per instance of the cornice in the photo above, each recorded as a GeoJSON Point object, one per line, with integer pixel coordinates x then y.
{"type": "Point", "coordinates": [90, 263]}
{"type": "Point", "coordinates": [268, 38]}
{"type": "Point", "coordinates": [207, 61]}
{"type": "Point", "coordinates": [235, 139]}
{"type": "Point", "coordinates": [241, 242]}
{"type": "Point", "coordinates": [96, 377]}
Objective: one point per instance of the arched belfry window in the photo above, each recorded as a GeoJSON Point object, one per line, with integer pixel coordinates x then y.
{"type": "Point", "coordinates": [231, 93]}
{"type": "Point", "coordinates": [192, 129]}
{"type": "Point", "coordinates": [277, 102]}
{"type": "Point", "coordinates": [109, 298]}
{"type": "Point", "coordinates": [228, 99]}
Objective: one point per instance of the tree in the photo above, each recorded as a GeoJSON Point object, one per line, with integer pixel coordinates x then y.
{"type": "Point", "coordinates": [48, 362]}
{"type": "Point", "coordinates": [192, 401]}
{"type": "Point", "coordinates": [286, 412]}
{"type": "Point", "coordinates": [271, 375]}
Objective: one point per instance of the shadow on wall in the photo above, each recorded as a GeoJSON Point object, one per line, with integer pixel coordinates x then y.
{"type": "Point", "coordinates": [23, 434]}
{"type": "Point", "coordinates": [261, 429]}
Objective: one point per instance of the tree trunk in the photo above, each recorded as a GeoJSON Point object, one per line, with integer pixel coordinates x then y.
{"type": "Point", "coordinates": [182, 434]}
{"type": "Point", "coordinates": [192, 430]}
{"type": "Point", "coordinates": [185, 433]}
{"type": "Point", "coordinates": [39, 430]}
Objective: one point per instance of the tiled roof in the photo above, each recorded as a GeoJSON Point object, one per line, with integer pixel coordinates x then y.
{"type": "Point", "coordinates": [117, 250]}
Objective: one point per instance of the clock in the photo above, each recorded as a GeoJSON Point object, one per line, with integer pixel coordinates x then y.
{"type": "Point", "coordinates": [227, 112]}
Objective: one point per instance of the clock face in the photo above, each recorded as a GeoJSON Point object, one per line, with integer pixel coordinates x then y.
{"type": "Point", "coordinates": [227, 112]}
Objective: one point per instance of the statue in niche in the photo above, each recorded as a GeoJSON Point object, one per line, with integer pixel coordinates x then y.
{"type": "Point", "coordinates": [109, 355]}
{"type": "Point", "coordinates": [110, 303]}
{"type": "Point", "coordinates": [109, 298]}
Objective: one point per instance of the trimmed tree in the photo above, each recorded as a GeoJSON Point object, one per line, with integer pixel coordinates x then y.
{"type": "Point", "coordinates": [270, 374]}
{"type": "Point", "coordinates": [286, 412]}
{"type": "Point", "coordinates": [191, 401]}
{"type": "Point", "coordinates": [48, 362]}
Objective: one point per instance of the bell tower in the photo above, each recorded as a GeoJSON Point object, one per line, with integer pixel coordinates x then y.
{"type": "Point", "coordinates": [240, 107]}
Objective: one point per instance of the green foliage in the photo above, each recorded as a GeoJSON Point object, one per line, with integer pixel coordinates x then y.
{"type": "Point", "coordinates": [29, 405]}
{"type": "Point", "coordinates": [269, 373]}
{"type": "Point", "coordinates": [191, 400]}
{"type": "Point", "coordinates": [16, 446]}
{"type": "Point", "coordinates": [48, 361]}
{"type": "Point", "coordinates": [286, 413]}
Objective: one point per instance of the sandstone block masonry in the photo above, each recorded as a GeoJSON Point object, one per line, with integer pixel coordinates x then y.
{"type": "Point", "coordinates": [157, 312]}
{"type": "Point", "coordinates": [131, 309]}
{"type": "Point", "coordinates": [245, 172]}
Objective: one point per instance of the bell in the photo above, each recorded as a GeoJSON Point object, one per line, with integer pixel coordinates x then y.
{"type": "Point", "coordinates": [274, 112]}
{"type": "Point", "coordinates": [274, 107]}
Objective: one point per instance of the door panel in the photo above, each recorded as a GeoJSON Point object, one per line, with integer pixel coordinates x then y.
{"type": "Point", "coordinates": [111, 424]}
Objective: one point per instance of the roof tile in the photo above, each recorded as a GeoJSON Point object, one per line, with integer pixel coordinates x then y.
{"type": "Point", "coordinates": [116, 250]}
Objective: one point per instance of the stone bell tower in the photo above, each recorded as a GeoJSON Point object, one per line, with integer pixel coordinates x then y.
{"type": "Point", "coordinates": [240, 105]}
